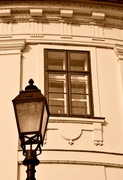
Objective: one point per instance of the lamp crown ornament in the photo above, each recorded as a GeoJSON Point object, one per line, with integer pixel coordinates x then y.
{"type": "Point", "coordinates": [31, 86]}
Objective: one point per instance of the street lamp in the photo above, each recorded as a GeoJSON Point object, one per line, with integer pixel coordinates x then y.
{"type": "Point", "coordinates": [32, 114]}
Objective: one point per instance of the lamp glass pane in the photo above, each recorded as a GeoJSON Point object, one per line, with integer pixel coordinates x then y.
{"type": "Point", "coordinates": [29, 115]}
{"type": "Point", "coordinates": [44, 122]}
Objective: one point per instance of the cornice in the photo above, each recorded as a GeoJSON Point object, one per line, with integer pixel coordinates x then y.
{"type": "Point", "coordinates": [14, 45]}
{"type": "Point", "coordinates": [117, 2]}
{"type": "Point", "coordinates": [81, 3]}
{"type": "Point", "coordinates": [56, 4]}
{"type": "Point", "coordinates": [82, 12]}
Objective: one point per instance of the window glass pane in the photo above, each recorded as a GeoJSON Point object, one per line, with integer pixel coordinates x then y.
{"type": "Point", "coordinates": [79, 108]}
{"type": "Point", "coordinates": [57, 93]}
{"type": "Point", "coordinates": [58, 103]}
{"type": "Point", "coordinates": [79, 97]}
{"type": "Point", "coordinates": [57, 82]}
{"type": "Point", "coordinates": [80, 104]}
{"type": "Point", "coordinates": [56, 60]}
{"type": "Point", "coordinates": [78, 61]}
{"type": "Point", "coordinates": [79, 84]}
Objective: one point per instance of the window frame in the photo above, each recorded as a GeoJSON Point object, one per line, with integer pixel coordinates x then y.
{"type": "Point", "coordinates": [86, 73]}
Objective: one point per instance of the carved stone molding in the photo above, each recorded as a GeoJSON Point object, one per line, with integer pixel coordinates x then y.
{"type": "Point", "coordinates": [36, 12]}
{"type": "Point", "coordinates": [78, 157]}
{"type": "Point", "coordinates": [98, 16]}
{"type": "Point", "coordinates": [118, 49]}
{"type": "Point", "coordinates": [5, 12]}
{"type": "Point", "coordinates": [66, 13]}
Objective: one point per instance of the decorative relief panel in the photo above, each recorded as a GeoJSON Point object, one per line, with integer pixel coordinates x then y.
{"type": "Point", "coordinates": [36, 29]}
{"type": "Point", "coordinates": [97, 33]}
{"type": "Point", "coordinates": [6, 30]}
{"type": "Point", "coordinates": [65, 30]}
{"type": "Point", "coordinates": [118, 49]}
{"type": "Point", "coordinates": [97, 132]}
{"type": "Point", "coordinates": [72, 130]}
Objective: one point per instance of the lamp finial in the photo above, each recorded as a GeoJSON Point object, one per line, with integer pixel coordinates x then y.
{"type": "Point", "coordinates": [31, 86]}
{"type": "Point", "coordinates": [31, 82]}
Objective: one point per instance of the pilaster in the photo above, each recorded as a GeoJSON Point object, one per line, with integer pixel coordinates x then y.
{"type": "Point", "coordinates": [118, 49]}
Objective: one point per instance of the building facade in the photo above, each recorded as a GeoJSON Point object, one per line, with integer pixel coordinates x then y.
{"type": "Point", "coordinates": [73, 50]}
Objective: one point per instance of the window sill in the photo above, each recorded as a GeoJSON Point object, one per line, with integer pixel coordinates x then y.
{"type": "Point", "coordinates": [88, 120]}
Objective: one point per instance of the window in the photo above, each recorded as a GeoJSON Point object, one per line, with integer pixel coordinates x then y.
{"type": "Point", "coordinates": [68, 82]}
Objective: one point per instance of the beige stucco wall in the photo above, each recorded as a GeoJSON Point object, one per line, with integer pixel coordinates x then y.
{"type": "Point", "coordinates": [76, 159]}
{"type": "Point", "coordinates": [10, 82]}
{"type": "Point", "coordinates": [78, 148]}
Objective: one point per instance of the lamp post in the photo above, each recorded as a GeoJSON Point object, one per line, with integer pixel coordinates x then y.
{"type": "Point", "coordinates": [32, 114]}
